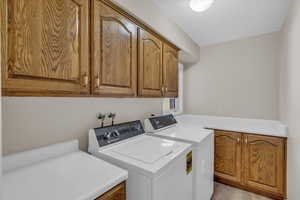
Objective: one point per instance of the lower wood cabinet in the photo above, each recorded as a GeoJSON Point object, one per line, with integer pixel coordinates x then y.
{"type": "Point", "coordinates": [116, 193]}
{"type": "Point", "coordinates": [264, 163]}
{"type": "Point", "coordinates": [228, 155]}
{"type": "Point", "coordinates": [255, 163]}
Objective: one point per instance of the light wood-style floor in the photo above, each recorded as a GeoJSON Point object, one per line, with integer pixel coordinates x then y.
{"type": "Point", "coordinates": [224, 192]}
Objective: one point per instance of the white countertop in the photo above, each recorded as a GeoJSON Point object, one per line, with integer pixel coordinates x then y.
{"type": "Point", "coordinates": [74, 176]}
{"type": "Point", "coordinates": [255, 126]}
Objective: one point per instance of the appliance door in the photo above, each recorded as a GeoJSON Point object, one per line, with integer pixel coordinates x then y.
{"type": "Point", "coordinates": [176, 181]}
{"type": "Point", "coordinates": [204, 163]}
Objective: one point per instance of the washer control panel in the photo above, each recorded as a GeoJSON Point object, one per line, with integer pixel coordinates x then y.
{"type": "Point", "coordinates": [111, 134]}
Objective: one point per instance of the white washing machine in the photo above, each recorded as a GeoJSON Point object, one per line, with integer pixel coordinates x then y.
{"type": "Point", "coordinates": [158, 169]}
{"type": "Point", "coordinates": [202, 141]}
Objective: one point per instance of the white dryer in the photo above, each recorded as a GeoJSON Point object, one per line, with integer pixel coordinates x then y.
{"type": "Point", "coordinates": [202, 141]}
{"type": "Point", "coordinates": [158, 169]}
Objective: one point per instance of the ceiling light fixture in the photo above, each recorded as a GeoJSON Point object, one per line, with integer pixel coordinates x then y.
{"type": "Point", "coordinates": [200, 5]}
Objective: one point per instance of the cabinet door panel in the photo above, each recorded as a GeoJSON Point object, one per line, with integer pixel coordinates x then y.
{"type": "Point", "coordinates": [150, 65]}
{"type": "Point", "coordinates": [116, 193]}
{"type": "Point", "coordinates": [170, 71]}
{"type": "Point", "coordinates": [228, 159]}
{"type": "Point", "coordinates": [45, 47]}
{"type": "Point", "coordinates": [264, 163]}
{"type": "Point", "coordinates": [114, 52]}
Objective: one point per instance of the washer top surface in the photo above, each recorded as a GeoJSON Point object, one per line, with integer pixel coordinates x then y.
{"type": "Point", "coordinates": [147, 150]}
{"type": "Point", "coordinates": [147, 153]}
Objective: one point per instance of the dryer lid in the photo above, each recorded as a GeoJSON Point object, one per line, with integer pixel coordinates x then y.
{"type": "Point", "coordinates": [147, 149]}
{"type": "Point", "coordinates": [185, 133]}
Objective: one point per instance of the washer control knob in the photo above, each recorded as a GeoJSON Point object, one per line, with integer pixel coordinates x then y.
{"type": "Point", "coordinates": [107, 135]}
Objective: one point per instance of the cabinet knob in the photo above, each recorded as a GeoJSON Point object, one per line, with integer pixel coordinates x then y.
{"type": "Point", "coordinates": [246, 141]}
{"type": "Point", "coordinates": [97, 80]}
{"type": "Point", "coordinates": [163, 90]}
{"type": "Point", "coordinates": [85, 80]}
{"type": "Point", "coordinates": [166, 89]}
{"type": "Point", "coordinates": [238, 140]}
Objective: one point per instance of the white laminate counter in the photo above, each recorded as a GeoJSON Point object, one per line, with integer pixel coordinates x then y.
{"type": "Point", "coordinates": [73, 176]}
{"type": "Point", "coordinates": [254, 126]}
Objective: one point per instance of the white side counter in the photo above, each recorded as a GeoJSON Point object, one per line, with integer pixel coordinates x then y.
{"type": "Point", "coordinates": [59, 172]}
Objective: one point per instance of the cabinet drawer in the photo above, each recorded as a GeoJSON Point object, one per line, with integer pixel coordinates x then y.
{"type": "Point", "coordinates": [116, 193]}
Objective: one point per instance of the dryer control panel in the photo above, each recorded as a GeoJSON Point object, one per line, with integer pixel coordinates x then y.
{"type": "Point", "coordinates": [157, 123]}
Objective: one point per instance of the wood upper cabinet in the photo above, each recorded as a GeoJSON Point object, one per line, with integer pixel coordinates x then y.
{"type": "Point", "coordinates": [116, 193]}
{"type": "Point", "coordinates": [170, 71]}
{"type": "Point", "coordinates": [114, 52]}
{"type": "Point", "coordinates": [228, 155]}
{"type": "Point", "coordinates": [150, 65]}
{"type": "Point", "coordinates": [45, 47]}
{"type": "Point", "coordinates": [264, 163]}
{"type": "Point", "coordinates": [82, 48]}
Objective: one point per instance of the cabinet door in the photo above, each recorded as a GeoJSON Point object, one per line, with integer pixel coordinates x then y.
{"type": "Point", "coordinates": [228, 161]}
{"type": "Point", "coordinates": [45, 47]}
{"type": "Point", "coordinates": [150, 65]}
{"type": "Point", "coordinates": [170, 71]}
{"type": "Point", "coordinates": [264, 163]}
{"type": "Point", "coordinates": [116, 193]}
{"type": "Point", "coordinates": [114, 52]}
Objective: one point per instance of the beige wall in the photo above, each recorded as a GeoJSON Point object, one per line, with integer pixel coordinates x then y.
{"type": "Point", "coordinates": [290, 95]}
{"type": "Point", "coordinates": [33, 122]}
{"type": "Point", "coordinates": [237, 78]}
{"type": "Point", "coordinates": [150, 14]}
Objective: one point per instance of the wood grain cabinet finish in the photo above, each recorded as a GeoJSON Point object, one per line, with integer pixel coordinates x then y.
{"type": "Point", "coordinates": [256, 163]}
{"type": "Point", "coordinates": [228, 155]}
{"type": "Point", "coordinates": [264, 163]}
{"type": "Point", "coordinates": [170, 71]}
{"type": "Point", "coordinates": [45, 47]}
{"type": "Point", "coordinates": [114, 52]}
{"type": "Point", "coordinates": [150, 65]}
{"type": "Point", "coordinates": [116, 193]}
{"type": "Point", "coordinates": [82, 48]}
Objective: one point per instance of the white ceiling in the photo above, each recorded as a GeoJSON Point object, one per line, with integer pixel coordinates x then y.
{"type": "Point", "coordinates": [227, 19]}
